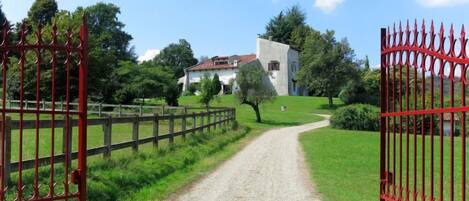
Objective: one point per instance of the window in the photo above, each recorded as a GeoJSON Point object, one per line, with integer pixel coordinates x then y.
{"type": "Point", "coordinates": [221, 62]}
{"type": "Point", "coordinates": [274, 65]}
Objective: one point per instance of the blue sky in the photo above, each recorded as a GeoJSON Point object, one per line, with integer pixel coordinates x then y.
{"type": "Point", "coordinates": [230, 27]}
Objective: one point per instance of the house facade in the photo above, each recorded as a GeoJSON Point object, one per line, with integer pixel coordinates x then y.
{"type": "Point", "coordinates": [280, 60]}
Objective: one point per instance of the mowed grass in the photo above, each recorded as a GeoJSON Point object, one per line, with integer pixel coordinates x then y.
{"type": "Point", "coordinates": [299, 110]}
{"type": "Point", "coordinates": [345, 164]}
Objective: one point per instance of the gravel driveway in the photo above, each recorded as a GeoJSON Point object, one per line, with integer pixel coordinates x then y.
{"type": "Point", "coordinates": [271, 167]}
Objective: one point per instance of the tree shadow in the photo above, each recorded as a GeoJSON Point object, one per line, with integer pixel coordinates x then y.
{"type": "Point", "coordinates": [279, 123]}
{"type": "Point", "coordinates": [327, 107]}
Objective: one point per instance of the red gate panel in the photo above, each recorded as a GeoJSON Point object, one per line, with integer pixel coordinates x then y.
{"type": "Point", "coordinates": [423, 113]}
{"type": "Point", "coordinates": [46, 65]}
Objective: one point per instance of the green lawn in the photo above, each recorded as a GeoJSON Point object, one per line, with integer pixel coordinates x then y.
{"type": "Point", "coordinates": [345, 164]}
{"type": "Point", "coordinates": [299, 110]}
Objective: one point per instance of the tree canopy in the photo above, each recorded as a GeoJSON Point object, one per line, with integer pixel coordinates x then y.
{"type": "Point", "coordinates": [327, 64]}
{"type": "Point", "coordinates": [42, 11]}
{"type": "Point", "coordinates": [176, 56]}
{"type": "Point", "coordinates": [282, 26]}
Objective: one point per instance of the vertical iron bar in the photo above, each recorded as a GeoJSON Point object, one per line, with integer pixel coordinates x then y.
{"type": "Point", "coordinates": [82, 109]}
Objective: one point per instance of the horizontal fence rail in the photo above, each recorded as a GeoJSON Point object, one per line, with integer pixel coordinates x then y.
{"type": "Point", "coordinates": [215, 117]}
{"type": "Point", "coordinates": [102, 109]}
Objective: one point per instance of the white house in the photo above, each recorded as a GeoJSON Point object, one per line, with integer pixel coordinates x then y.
{"type": "Point", "coordinates": [279, 59]}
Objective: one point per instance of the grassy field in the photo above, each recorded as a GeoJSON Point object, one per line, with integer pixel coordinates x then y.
{"type": "Point", "coordinates": [345, 164]}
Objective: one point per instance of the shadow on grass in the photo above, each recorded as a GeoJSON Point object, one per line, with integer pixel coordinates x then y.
{"type": "Point", "coordinates": [271, 122]}
{"type": "Point", "coordinates": [327, 107]}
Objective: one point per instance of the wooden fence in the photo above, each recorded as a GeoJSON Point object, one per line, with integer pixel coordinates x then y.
{"type": "Point", "coordinates": [101, 109]}
{"type": "Point", "coordinates": [217, 117]}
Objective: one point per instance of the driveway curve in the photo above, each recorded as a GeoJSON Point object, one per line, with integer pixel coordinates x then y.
{"type": "Point", "coordinates": [270, 168]}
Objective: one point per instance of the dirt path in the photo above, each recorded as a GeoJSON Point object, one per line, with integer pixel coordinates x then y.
{"type": "Point", "coordinates": [269, 168]}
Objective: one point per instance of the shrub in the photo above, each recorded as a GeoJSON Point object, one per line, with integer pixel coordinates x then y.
{"type": "Point", "coordinates": [356, 117]}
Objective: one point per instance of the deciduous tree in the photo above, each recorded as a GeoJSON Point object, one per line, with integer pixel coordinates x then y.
{"type": "Point", "coordinates": [253, 87]}
{"type": "Point", "coordinates": [326, 64]}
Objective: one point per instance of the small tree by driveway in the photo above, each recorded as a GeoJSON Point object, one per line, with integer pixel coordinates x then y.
{"type": "Point", "coordinates": [254, 87]}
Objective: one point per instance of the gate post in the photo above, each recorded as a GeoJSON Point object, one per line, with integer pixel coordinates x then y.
{"type": "Point", "coordinates": [383, 105]}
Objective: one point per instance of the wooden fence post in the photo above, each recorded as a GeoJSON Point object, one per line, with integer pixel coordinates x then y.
{"type": "Point", "coordinates": [9, 102]}
{"type": "Point", "coordinates": [68, 131]}
{"type": "Point", "coordinates": [120, 110]}
{"type": "Point", "coordinates": [155, 130]}
{"type": "Point", "coordinates": [61, 105]}
{"type": "Point", "coordinates": [208, 121]}
{"type": "Point", "coordinates": [135, 126]}
{"type": "Point", "coordinates": [171, 129]}
{"type": "Point", "coordinates": [141, 110]}
{"type": "Point", "coordinates": [100, 110]}
{"type": "Point", "coordinates": [107, 128]}
{"type": "Point", "coordinates": [215, 119]}
{"type": "Point", "coordinates": [162, 110]}
{"type": "Point", "coordinates": [43, 104]}
{"type": "Point", "coordinates": [201, 122]}
{"type": "Point", "coordinates": [194, 122]}
{"type": "Point", "coordinates": [27, 105]}
{"type": "Point", "coordinates": [183, 126]}
{"type": "Point", "coordinates": [7, 152]}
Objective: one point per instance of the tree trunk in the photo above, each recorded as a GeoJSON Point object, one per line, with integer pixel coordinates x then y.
{"type": "Point", "coordinates": [258, 113]}
{"type": "Point", "coordinates": [331, 102]}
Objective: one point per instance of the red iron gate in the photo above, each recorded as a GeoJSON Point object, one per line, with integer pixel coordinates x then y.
{"type": "Point", "coordinates": [45, 64]}
{"type": "Point", "coordinates": [423, 114]}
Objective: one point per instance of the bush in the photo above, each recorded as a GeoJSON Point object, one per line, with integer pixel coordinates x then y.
{"type": "Point", "coordinates": [356, 117]}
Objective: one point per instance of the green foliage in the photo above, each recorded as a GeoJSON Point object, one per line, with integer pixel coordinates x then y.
{"type": "Point", "coordinates": [327, 64]}
{"type": "Point", "coordinates": [253, 87]}
{"type": "Point", "coordinates": [281, 27]}
{"type": "Point", "coordinates": [146, 81]}
{"type": "Point", "coordinates": [206, 90]}
{"type": "Point", "coordinates": [356, 117]}
{"type": "Point", "coordinates": [362, 89]}
{"type": "Point", "coordinates": [216, 85]}
{"type": "Point", "coordinates": [108, 45]}
{"type": "Point", "coordinates": [42, 11]}
{"type": "Point", "coordinates": [176, 56]}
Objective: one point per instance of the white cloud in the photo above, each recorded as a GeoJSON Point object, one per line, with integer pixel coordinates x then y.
{"type": "Point", "coordinates": [440, 3]}
{"type": "Point", "coordinates": [327, 6]}
{"type": "Point", "coordinates": [149, 55]}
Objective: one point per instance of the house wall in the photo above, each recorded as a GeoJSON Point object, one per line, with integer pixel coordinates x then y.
{"type": "Point", "coordinates": [268, 51]}
{"type": "Point", "coordinates": [225, 76]}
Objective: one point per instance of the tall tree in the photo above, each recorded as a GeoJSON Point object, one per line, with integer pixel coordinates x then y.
{"type": "Point", "coordinates": [109, 44]}
{"type": "Point", "coordinates": [367, 64]}
{"type": "Point", "coordinates": [298, 36]}
{"type": "Point", "coordinates": [42, 11]}
{"type": "Point", "coordinates": [253, 87]}
{"type": "Point", "coordinates": [281, 27]}
{"type": "Point", "coordinates": [326, 64]}
{"type": "Point", "coordinates": [176, 56]}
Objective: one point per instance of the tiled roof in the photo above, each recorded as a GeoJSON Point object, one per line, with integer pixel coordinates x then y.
{"type": "Point", "coordinates": [209, 64]}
